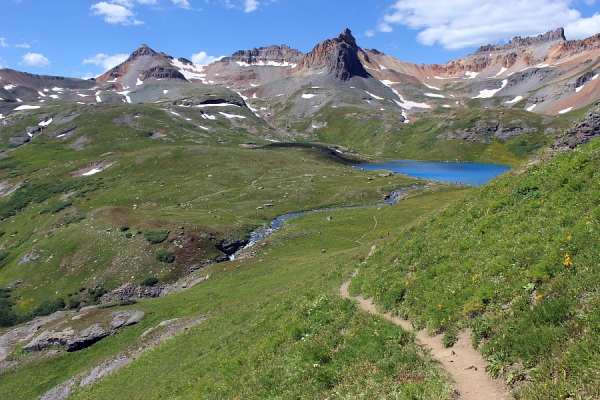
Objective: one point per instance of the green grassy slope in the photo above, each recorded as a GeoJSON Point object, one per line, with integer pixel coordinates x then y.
{"type": "Point", "coordinates": [430, 136]}
{"type": "Point", "coordinates": [86, 231]}
{"type": "Point", "coordinates": [518, 263]}
{"type": "Point", "coordinates": [276, 326]}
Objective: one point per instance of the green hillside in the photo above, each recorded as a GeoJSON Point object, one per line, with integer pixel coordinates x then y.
{"type": "Point", "coordinates": [517, 262]}
{"type": "Point", "coordinates": [148, 194]}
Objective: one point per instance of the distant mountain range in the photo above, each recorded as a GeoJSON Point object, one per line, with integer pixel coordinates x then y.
{"type": "Point", "coordinates": [546, 75]}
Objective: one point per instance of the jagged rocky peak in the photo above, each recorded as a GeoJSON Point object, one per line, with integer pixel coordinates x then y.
{"type": "Point", "coordinates": [346, 37]}
{"type": "Point", "coordinates": [339, 56]}
{"type": "Point", "coordinates": [143, 50]}
{"type": "Point", "coordinates": [518, 41]}
{"type": "Point", "coordinates": [279, 54]}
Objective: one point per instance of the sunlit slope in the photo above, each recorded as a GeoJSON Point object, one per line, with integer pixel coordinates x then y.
{"type": "Point", "coordinates": [518, 263]}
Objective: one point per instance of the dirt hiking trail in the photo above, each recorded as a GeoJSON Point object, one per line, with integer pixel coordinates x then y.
{"type": "Point", "coordinates": [465, 365]}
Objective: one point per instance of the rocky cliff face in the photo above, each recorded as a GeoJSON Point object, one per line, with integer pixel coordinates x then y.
{"type": "Point", "coordinates": [518, 41]}
{"type": "Point", "coordinates": [339, 56]}
{"type": "Point", "coordinates": [582, 132]}
{"type": "Point", "coordinates": [572, 47]}
{"type": "Point", "coordinates": [277, 54]}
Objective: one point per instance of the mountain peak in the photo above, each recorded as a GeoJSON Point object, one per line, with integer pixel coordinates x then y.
{"type": "Point", "coordinates": [339, 56]}
{"type": "Point", "coordinates": [346, 37]}
{"type": "Point", "coordinates": [143, 50]}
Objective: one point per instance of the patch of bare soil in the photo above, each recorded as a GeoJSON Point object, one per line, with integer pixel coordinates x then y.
{"type": "Point", "coordinates": [465, 364]}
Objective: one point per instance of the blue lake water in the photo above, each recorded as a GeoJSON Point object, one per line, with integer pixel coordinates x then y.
{"type": "Point", "coordinates": [468, 173]}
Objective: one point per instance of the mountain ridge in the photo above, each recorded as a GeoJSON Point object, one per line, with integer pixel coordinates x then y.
{"type": "Point", "coordinates": [542, 74]}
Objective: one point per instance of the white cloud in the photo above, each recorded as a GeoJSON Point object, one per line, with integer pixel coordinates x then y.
{"type": "Point", "coordinates": [203, 58]}
{"type": "Point", "coordinates": [116, 13]}
{"type": "Point", "coordinates": [23, 45]}
{"type": "Point", "coordinates": [250, 5]}
{"type": "Point", "coordinates": [3, 42]}
{"type": "Point", "coordinates": [468, 23]}
{"type": "Point", "coordinates": [34, 60]}
{"type": "Point", "coordinates": [370, 33]}
{"type": "Point", "coordinates": [182, 4]}
{"type": "Point", "coordinates": [583, 27]}
{"type": "Point", "coordinates": [105, 61]}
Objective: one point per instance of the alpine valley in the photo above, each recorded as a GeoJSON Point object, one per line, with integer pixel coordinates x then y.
{"type": "Point", "coordinates": [128, 202]}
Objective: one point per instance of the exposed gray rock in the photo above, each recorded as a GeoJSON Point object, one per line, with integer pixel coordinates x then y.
{"type": "Point", "coordinates": [29, 257]}
{"type": "Point", "coordinates": [73, 340]}
{"type": "Point", "coordinates": [518, 41]}
{"type": "Point", "coordinates": [582, 132]}
{"type": "Point", "coordinates": [231, 245]}
{"type": "Point", "coordinates": [132, 291]}
{"type": "Point", "coordinates": [486, 131]}
{"type": "Point", "coordinates": [278, 54]}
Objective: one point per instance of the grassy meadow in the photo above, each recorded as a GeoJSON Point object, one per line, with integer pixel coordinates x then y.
{"type": "Point", "coordinates": [515, 261]}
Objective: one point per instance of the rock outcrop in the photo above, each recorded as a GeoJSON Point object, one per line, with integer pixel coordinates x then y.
{"type": "Point", "coordinates": [132, 292]}
{"type": "Point", "coordinates": [582, 132]}
{"type": "Point", "coordinates": [518, 41]}
{"type": "Point", "coordinates": [271, 54]}
{"type": "Point", "coordinates": [339, 56]}
{"type": "Point", "coordinates": [486, 131]}
{"type": "Point", "coordinates": [73, 339]}
{"type": "Point", "coordinates": [232, 245]}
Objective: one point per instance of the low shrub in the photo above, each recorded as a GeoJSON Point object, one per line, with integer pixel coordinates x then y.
{"type": "Point", "coordinates": [164, 255]}
{"type": "Point", "coordinates": [150, 281]}
{"type": "Point", "coordinates": [48, 307]}
{"type": "Point", "coordinates": [156, 236]}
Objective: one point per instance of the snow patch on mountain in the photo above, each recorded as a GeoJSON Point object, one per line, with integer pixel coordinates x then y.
{"type": "Point", "coordinates": [502, 70]}
{"type": "Point", "coordinates": [45, 123]}
{"type": "Point", "coordinates": [231, 116]}
{"type": "Point", "coordinates": [431, 87]}
{"type": "Point", "coordinates": [126, 94]}
{"type": "Point", "coordinates": [441, 96]}
{"type": "Point", "coordinates": [406, 104]}
{"type": "Point", "coordinates": [216, 105]}
{"type": "Point", "coordinates": [308, 95]}
{"type": "Point", "coordinates": [26, 107]}
{"type": "Point", "coordinates": [566, 110]}
{"type": "Point", "coordinates": [190, 71]}
{"type": "Point", "coordinates": [373, 96]}
{"type": "Point", "coordinates": [488, 93]}
{"type": "Point", "coordinates": [267, 64]}
{"type": "Point", "coordinates": [515, 100]}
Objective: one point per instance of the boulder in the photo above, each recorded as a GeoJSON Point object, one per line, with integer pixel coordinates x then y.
{"type": "Point", "coordinates": [72, 339]}
{"type": "Point", "coordinates": [231, 245]}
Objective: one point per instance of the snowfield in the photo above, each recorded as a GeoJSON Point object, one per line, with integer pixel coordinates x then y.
{"type": "Point", "coordinates": [488, 93]}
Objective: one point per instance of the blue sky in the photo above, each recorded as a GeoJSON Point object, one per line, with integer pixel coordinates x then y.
{"type": "Point", "coordinates": [81, 38]}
